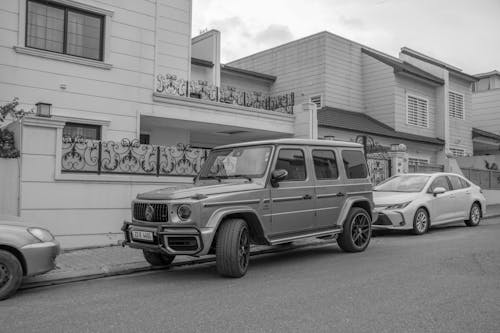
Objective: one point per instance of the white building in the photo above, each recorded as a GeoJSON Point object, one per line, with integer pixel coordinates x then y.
{"type": "Point", "coordinates": [114, 72]}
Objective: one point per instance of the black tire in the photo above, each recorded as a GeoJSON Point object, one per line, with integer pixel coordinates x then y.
{"type": "Point", "coordinates": [474, 215]}
{"type": "Point", "coordinates": [421, 222]}
{"type": "Point", "coordinates": [232, 253]}
{"type": "Point", "coordinates": [356, 233]}
{"type": "Point", "coordinates": [157, 258]}
{"type": "Point", "coordinates": [11, 274]}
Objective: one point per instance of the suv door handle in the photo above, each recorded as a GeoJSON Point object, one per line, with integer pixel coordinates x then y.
{"type": "Point", "coordinates": [340, 194]}
{"type": "Point", "coordinates": [307, 197]}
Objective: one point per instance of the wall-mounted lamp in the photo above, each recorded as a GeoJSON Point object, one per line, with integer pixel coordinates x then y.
{"type": "Point", "coordinates": [43, 109]}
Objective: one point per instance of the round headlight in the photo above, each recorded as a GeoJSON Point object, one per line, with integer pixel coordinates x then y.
{"type": "Point", "coordinates": [41, 234]}
{"type": "Point", "coordinates": [184, 212]}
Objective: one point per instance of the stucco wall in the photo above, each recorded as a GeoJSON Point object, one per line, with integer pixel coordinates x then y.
{"type": "Point", "coordinates": [461, 129]}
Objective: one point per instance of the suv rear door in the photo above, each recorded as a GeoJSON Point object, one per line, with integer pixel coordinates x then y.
{"type": "Point", "coordinates": [330, 190]}
{"type": "Point", "coordinates": [293, 201]}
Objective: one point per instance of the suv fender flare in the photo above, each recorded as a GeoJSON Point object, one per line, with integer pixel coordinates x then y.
{"type": "Point", "coordinates": [255, 225]}
{"type": "Point", "coordinates": [354, 201]}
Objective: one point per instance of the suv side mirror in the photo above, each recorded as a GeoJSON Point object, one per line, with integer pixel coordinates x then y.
{"type": "Point", "coordinates": [277, 176]}
{"type": "Point", "coordinates": [438, 190]}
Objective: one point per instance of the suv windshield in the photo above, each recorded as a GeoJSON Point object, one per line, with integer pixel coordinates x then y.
{"type": "Point", "coordinates": [403, 183]}
{"type": "Point", "coordinates": [238, 162]}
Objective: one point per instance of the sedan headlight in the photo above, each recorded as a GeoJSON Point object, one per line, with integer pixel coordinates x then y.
{"type": "Point", "coordinates": [41, 234]}
{"type": "Point", "coordinates": [184, 212]}
{"type": "Point", "coordinates": [398, 206]}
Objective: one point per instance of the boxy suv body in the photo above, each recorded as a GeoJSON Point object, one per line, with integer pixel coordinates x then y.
{"type": "Point", "coordinates": [264, 192]}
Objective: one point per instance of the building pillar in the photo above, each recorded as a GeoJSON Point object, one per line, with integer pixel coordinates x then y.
{"type": "Point", "coordinates": [306, 121]}
{"type": "Point", "coordinates": [399, 159]}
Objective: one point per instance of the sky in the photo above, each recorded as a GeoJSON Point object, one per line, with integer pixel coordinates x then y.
{"type": "Point", "coordinates": [462, 33]}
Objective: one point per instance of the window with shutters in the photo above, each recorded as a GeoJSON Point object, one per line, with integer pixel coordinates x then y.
{"type": "Point", "coordinates": [457, 152]}
{"type": "Point", "coordinates": [417, 111]}
{"type": "Point", "coordinates": [317, 100]}
{"type": "Point", "coordinates": [456, 105]}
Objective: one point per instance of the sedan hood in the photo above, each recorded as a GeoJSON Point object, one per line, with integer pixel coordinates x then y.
{"type": "Point", "coordinates": [186, 191]}
{"type": "Point", "coordinates": [391, 198]}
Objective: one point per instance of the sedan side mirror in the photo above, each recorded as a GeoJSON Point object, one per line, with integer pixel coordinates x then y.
{"type": "Point", "coordinates": [438, 190]}
{"type": "Point", "coordinates": [277, 176]}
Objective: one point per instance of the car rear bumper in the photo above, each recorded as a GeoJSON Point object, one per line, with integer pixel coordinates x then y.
{"type": "Point", "coordinates": [173, 240]}
{"type": "Point", "coordinates": [40, 257]}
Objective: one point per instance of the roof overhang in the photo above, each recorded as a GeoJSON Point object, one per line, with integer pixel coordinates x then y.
{"type": "Point", "coordinates": [478, 133]}
{"type": "Point", "coordinates": [247, 73]}
{"type": "Point", "coordinates": [404, 68]}
{"type": "Point", "coordinates": [202, 62]}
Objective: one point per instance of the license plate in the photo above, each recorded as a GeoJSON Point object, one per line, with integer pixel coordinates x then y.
{"type": "Point", "coordinates": [142, 235]}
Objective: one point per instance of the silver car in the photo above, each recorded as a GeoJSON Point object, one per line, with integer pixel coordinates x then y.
{"type": "Point", "coordinates": [24, 251]}
{"type": "Point", "coordinates": [418, 201]}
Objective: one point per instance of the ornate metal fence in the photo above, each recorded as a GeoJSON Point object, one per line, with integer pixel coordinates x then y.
{"type": "Point", "coordinates": [379, 166]}
{"type": "Point", "coordinates": [171, 85]}
{"type": "Point", "coordinates": [131, 158]}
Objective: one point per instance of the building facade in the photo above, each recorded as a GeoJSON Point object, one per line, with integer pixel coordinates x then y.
{"type": "Point", "coordinates": [414, 99]}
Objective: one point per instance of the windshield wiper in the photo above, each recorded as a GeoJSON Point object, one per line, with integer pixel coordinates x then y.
{"type": "Point", "coordinates": [212, 177]}
{"type": "Point", "coordinates": [240, 176]}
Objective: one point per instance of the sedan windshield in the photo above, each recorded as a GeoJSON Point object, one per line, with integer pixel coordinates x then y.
{"type": "Point", "coordinates": [403, 183]}
{"type": "Point", "coordinates": [239, 162]}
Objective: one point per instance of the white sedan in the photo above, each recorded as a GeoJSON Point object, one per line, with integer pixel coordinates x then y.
{"type": "Point", "coordinates": [418, 201]}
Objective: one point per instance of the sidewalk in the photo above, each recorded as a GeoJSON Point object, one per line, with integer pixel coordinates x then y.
{"type": "Point", "coordinates": [88, 264]}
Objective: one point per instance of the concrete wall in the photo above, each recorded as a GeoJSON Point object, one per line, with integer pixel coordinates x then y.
{"type": "Point", "coordinates": [9, 186]}
{"type": "Point", "coordinates": [379, 86]}
{"type": "Point", "coordinates": [299, 66]}
{"type": "Point", "coordinates": [486, 110]}
{"type": "Point", "coordinates": [343, 73]}
{"type": "Point", "coordinates": [116, 92]}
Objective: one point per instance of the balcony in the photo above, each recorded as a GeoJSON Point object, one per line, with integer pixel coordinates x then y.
{"type": "Point", "coordinates": [129, 157]}
{"type": "Point", "coordinates": [198, 89]}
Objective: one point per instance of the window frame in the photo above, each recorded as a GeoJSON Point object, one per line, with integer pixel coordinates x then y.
{"type": "Point", "coordinates": [450, 179]}
{"type": "Point", "coordinates": [450, 92]}
{"type": "Point", "coordinates": [410, 95]}
{"type": "Point", "coordinates": [304, 154]}
{"type": "Point", "coordinates": [66, 9]}
{"type": "Point", "coordinates": [453, 150]}
{"type": "Point", "coordinates": [431, 188]}
{"type": "Point", "coordinates": [418, 159]}
{"type": "Point", "coordinates": [335, 159]}
{"type": "Point", "coordinates": [98, 127]}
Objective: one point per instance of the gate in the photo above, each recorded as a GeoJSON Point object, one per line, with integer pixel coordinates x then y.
{"type": "Point", "coordinates": [379, 167]}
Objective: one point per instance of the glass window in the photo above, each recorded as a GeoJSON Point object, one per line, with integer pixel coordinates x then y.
{"type": "Point", "coordinates": [455, 182]}
{"type": "Point", "coordinates": [82, 131]}
{"type": "Point", "coordinates": [239, 162]}
{"type": "Point", "coordinates": [292, 160]}
{"type": "Point", "coordinates": [440, 181]}
{"type": "Point", "coordinates": [464, 183]}
{"type": "Point", "coordinates": [325, 165]}
{"type": "Point", "coordinates": [403, 183]}
{"type": "Point", "coordinates": [64, 30]}
{"type": "Point", "coordinates": [354, 164]}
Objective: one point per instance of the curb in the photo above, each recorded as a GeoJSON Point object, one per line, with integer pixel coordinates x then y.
{"type": "Point", "coordinates": [126, 271]}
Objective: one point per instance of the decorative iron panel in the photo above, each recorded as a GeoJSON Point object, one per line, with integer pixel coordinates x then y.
{"type": "Point", "coordinates": [80, 155]}
{"type": "Point", "coordinates": [160, 212]}
{"type": "Point", "coordinates": [128, 156]}
{"type": "Point", "coordinates": [181, 160]}
{"type": "Point", "coordinates": [202, 90]}
{"type": "Point", "coordinates": [170, 84]}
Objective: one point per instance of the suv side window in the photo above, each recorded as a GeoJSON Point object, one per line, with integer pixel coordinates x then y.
{"type": "Point", "coordinates": [455, 182]}
{"type": "Point", "coordinates": [440, 181]}
{"type": "Point", "coordinates": [354, 164]}
{"type": "Point", "coordinates": [292, 160]}
{"type": "Point", "coordinates": [325, 164]}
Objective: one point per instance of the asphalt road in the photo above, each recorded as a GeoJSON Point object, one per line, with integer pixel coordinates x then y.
{"type": "Point", "coordinates": [445, 281]}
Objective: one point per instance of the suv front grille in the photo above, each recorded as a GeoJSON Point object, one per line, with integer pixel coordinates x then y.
{"type": "Point", "coordinates": [160, 212]}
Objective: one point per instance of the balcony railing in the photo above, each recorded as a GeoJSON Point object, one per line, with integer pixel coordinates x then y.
{"type": "Point", "coordinates": [130, 157]}
{"type": "Point", "coordinates": [171, 85]}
